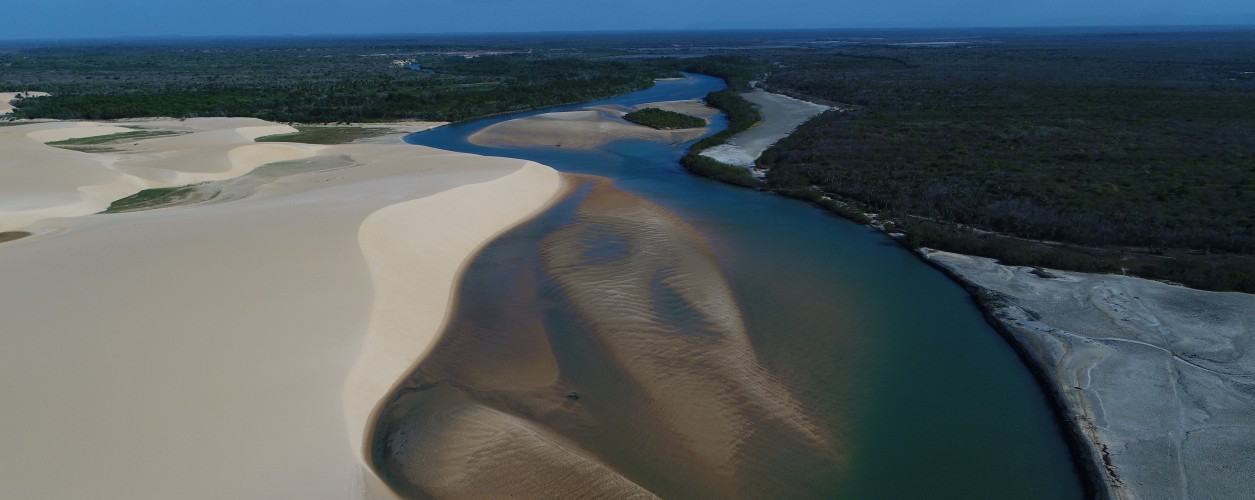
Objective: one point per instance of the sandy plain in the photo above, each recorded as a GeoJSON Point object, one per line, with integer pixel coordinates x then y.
{"type": "Point", "coordinates": [1156, 380]}
{"type": "Point", "coordinates": [225, 350]}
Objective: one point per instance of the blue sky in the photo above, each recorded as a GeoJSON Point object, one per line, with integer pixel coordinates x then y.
{"type": "Point", "coordinates": [112, 18]}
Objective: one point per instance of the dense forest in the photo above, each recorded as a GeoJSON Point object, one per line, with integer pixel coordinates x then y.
{"type": "Point", "coordinates": [319, 83]}
{"type": "Point", "coordinates": [1141, 143]}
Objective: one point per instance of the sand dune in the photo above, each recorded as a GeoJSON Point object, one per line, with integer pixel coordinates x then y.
{"type": "Point", "coordinates": [38, 181]}
{"type": "Point", "coordinates": [225, 350]}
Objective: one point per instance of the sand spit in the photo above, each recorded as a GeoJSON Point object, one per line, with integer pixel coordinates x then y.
{"type": "Point", "coordinates": [781, 115]}
{"type": "Point", "coordinates": [643, 329]}
{"type": "Point", "coordinates": [236, 349]}
{"type": "Point", "coordinates": [1157, 379]}
{"type": "Point", "coordinates": [587, 128]}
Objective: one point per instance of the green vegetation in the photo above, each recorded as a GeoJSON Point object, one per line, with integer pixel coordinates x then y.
{"type": "Point", "coordinates": [1139, 145]}
{"type": "Point", "coordinates": [738, 72]}
{"type": "Point", "coordinates": [741, 116]}
{"type": "Point", "coordinates": [663, 119]}
{"type": "Point", "coordinates": [316, 81]}
{"type": "Point", "coordinates": [717, 170]}
{"type": "Point", "coordinates": [113, 138]}
{"type": "Point", "coordinates": [325, 134]}
{"type": "Point", "coordinates": [8, 236]}
{"type": "Point", "coordinates": [151, 198]}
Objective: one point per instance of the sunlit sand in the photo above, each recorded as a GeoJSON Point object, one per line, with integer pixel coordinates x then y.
{"type": "Point", "coordinates": [224, 350]}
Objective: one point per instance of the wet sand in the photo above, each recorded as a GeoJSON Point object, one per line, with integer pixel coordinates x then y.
{"type": "Point", "coordinates": [614, 362]}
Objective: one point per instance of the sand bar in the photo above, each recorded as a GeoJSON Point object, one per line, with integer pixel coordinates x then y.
{"type": "Point", "coordinates": [587, 128]}
{"type": "Point", "coordinates": [228, 350]}
{"type": "Point", "coordinates": [781, 116]}
{"type": "Point", "coordinates": [1155, 379]}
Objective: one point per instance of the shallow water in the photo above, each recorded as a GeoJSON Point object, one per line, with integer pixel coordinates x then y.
{"type": "Point", "coordinates": [674, 336]}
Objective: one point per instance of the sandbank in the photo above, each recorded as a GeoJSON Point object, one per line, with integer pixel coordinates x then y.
{"type": "Point", "coordinates": [781, 115]}
{"type": "Point", "coordinates": [225, 350]}
{"type": "Point", "coordinates": [587, 128]}
{"type": "Point", "coordinates": [1154, 379]}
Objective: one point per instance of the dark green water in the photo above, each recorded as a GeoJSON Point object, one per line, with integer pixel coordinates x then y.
{"type": "Point", "coordinates": [915, 396]}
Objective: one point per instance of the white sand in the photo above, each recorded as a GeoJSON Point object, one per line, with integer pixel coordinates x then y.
{"type": "Point", "coordinates": [781, 116]}
{"type": "Point", "coordinates": [586, 128]}
{"type": "Point", "coordinates": [1156, 378]}
{"type": "Point", "coordinates": [231, 350]}
{"type": "Point", "coordinates": [39, 181]}
{"type": "Point", "coordinates": [7, 98]}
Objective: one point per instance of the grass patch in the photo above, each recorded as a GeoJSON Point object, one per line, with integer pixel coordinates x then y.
{"type": "Point", "coordinates": [326, 134]}
{"type": "Point", "coordinates": [8, 236]}
{"type": "Point", "coordinates": [662, 119]}
{"type": "Point", "coordinates": [151, 198]}
{"type": "Point", "coordinates": [113, 138]}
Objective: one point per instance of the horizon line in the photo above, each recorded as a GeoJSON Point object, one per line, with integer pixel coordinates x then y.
{"type": "Point", "coordinates": [1084, 27]}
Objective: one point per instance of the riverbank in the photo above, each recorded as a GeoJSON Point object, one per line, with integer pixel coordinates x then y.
{"type": "Point", "coordinates": [234, 349]}
{"type": "Point", "coordinates": [1121, 455]}
{"type": "Point", "coordinates": [781, 115]}
{"type": "Point", "coordinates": [1153, 378]}
{"type": "Point", "coordinates": [895, 391]}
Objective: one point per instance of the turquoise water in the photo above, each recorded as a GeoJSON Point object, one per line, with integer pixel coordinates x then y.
{"type": "Point", "coordinates": [915, 394]}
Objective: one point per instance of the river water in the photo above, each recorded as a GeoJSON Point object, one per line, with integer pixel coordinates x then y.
{"type": "Point", "coordinates": [658, 333]}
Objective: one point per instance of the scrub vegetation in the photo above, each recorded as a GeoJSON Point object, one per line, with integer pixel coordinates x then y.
{"type": "Point", "coordinates": [326, 134]}
{"type": "Point", "coordinates": [664, 120]}
{"type": "Point", "coordinates": [113, 138]}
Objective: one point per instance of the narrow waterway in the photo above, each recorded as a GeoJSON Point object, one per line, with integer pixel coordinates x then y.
{"type": "Point", "coordinates": [660, 334]}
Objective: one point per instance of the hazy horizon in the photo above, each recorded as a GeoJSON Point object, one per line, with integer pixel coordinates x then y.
{"type": "Point", "coordinates": [84, 19]}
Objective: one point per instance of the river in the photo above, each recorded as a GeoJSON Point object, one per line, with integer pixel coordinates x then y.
{"type": "Point", "coordinates": [663, 332]}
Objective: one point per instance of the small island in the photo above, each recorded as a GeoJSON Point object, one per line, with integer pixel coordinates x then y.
{"type": "Point", "coordinates": [662, 119]}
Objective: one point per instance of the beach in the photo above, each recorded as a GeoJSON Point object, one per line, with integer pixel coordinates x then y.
{"type": "Point", "coordinates": [235, 349]}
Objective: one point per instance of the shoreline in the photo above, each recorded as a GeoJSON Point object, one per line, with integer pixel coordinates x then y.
{"type": "Point", "coordinates": [1081, 448]}
{"type": "Point", "coordinates": [781, 115]}
{"type": "Point", "coordinates": [318, 264]}
{"type": "Point", "coordinates": [1054, 324]}
{"type": "Point", "coordinates": [382, 338]}
{"type": "Point", "coordinates": [1084, 456]}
